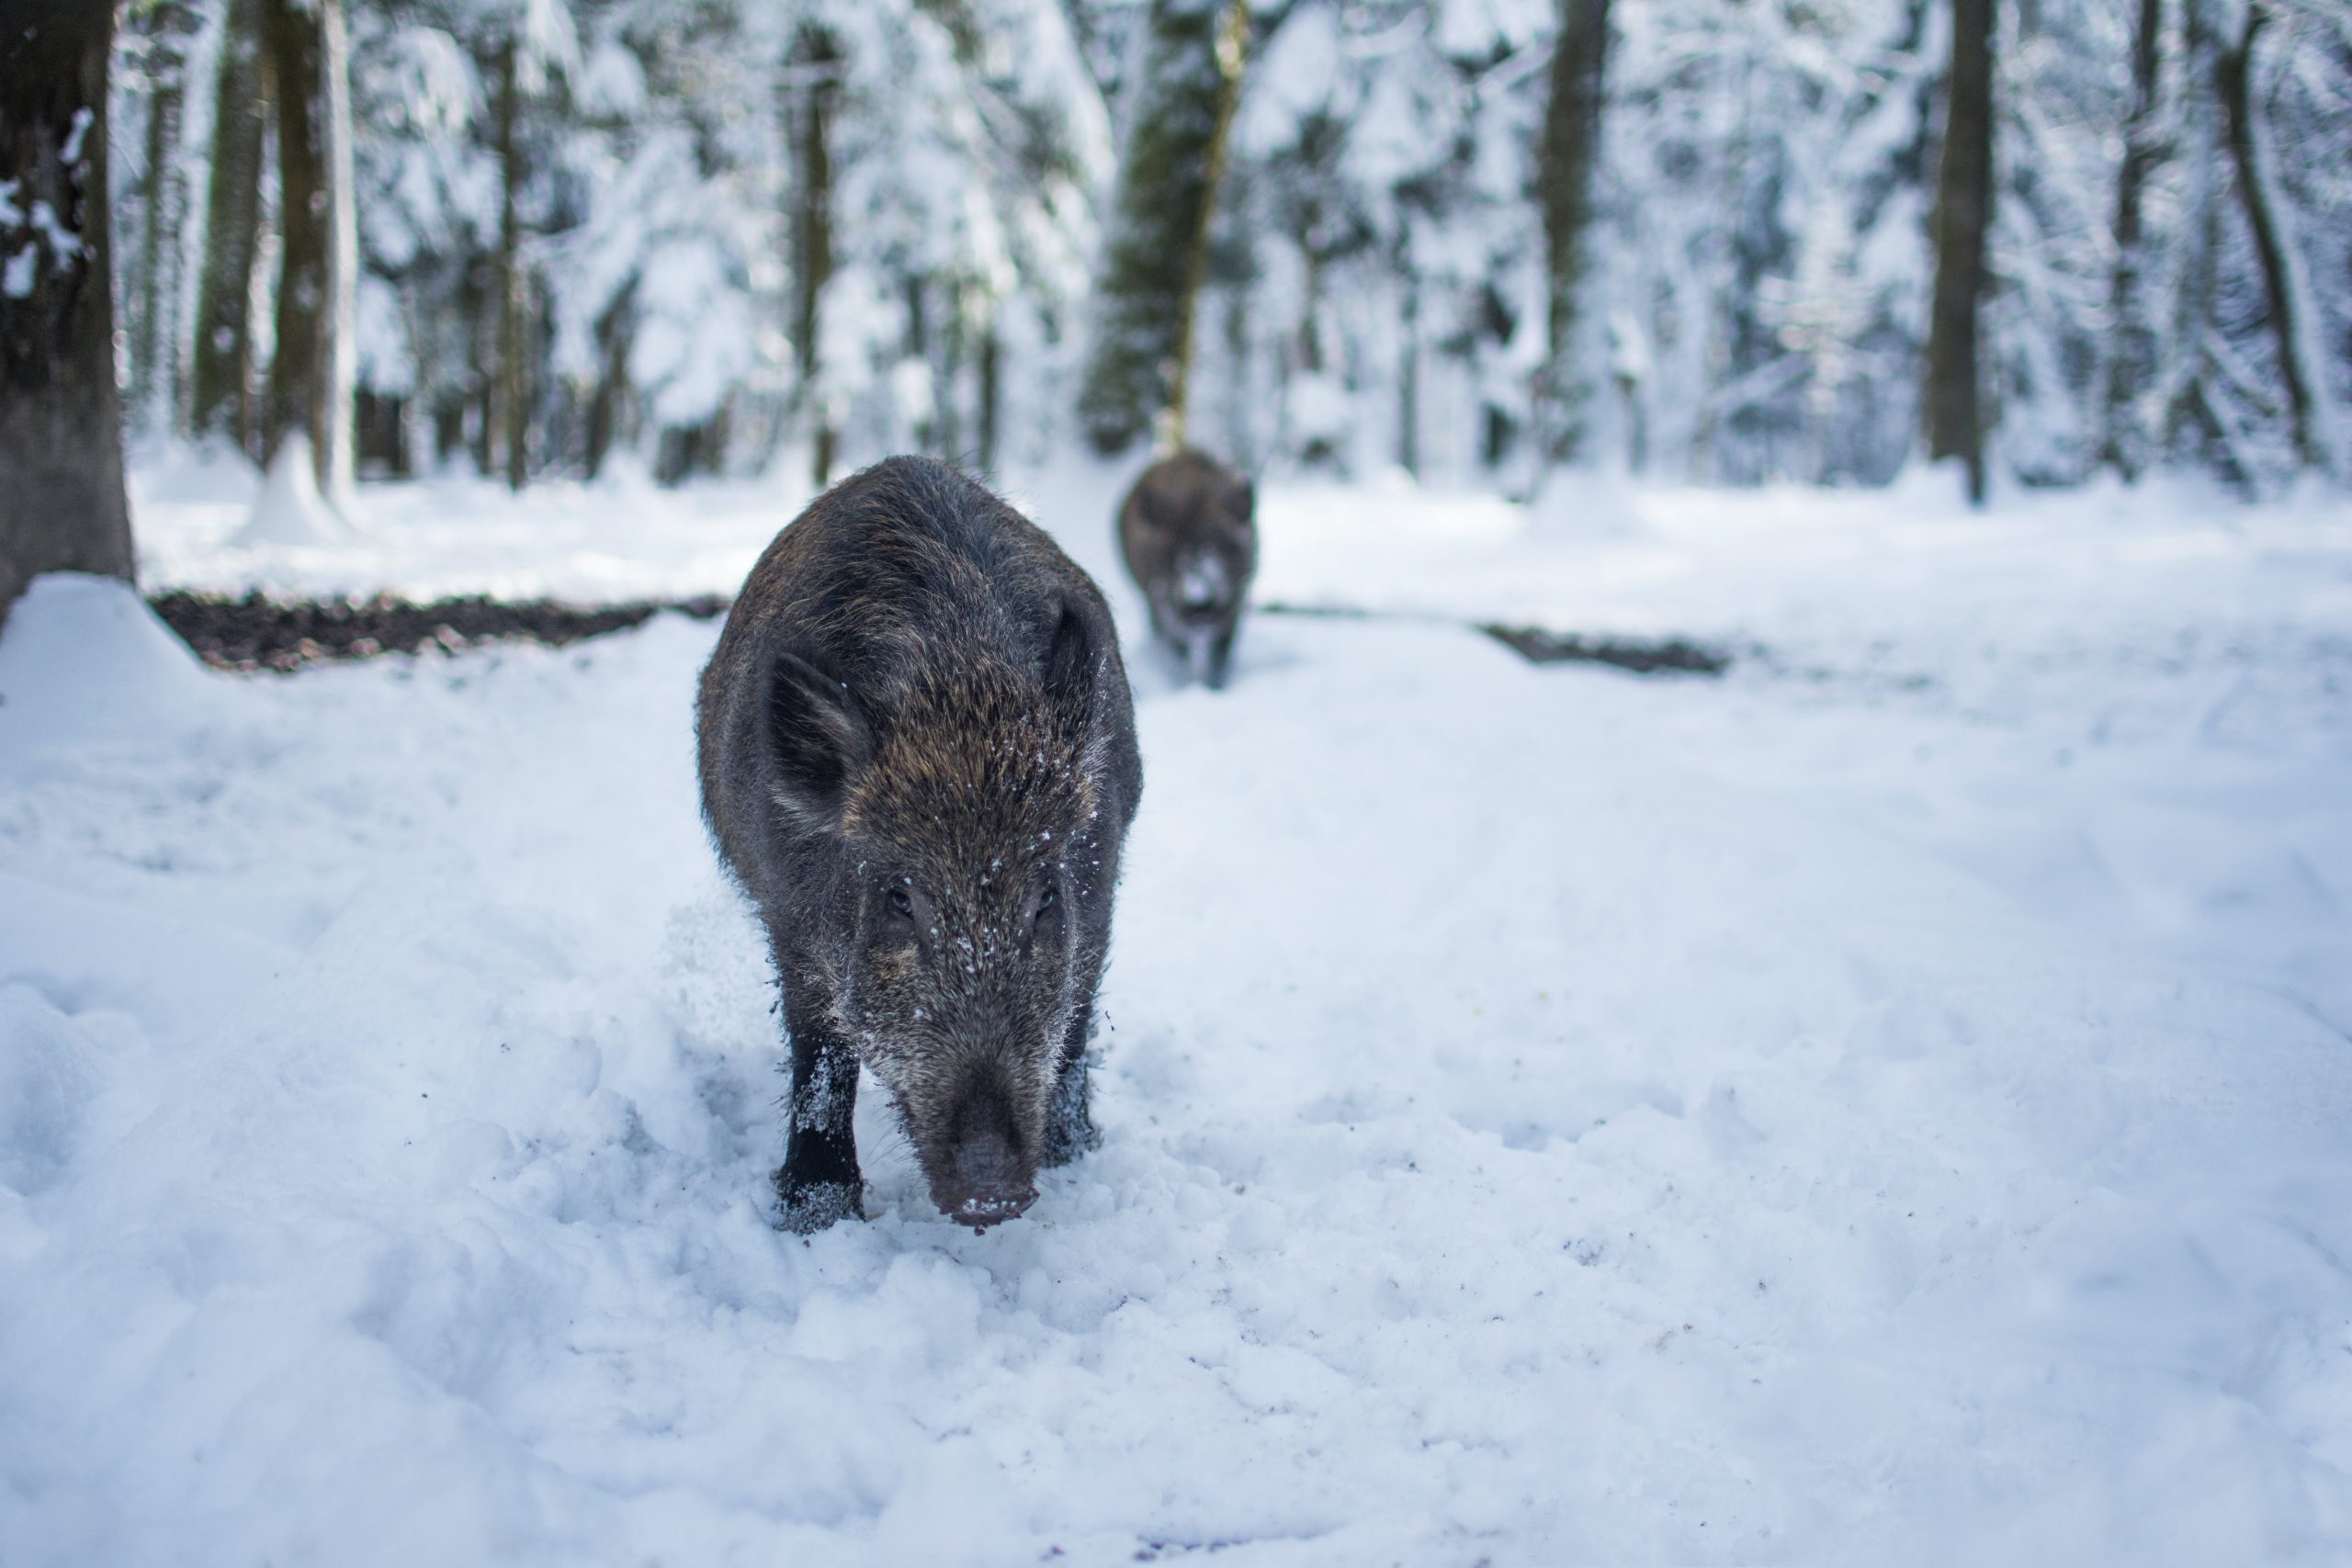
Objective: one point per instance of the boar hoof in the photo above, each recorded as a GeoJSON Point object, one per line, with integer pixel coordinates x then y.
{"type": "Point", "coordinates": [808, 1207]}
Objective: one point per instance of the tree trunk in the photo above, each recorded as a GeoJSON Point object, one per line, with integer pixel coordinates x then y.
{"type": "Point", "coordinates": [221, 398]}
{"type": "Point", "coordinates": [955, 349]}
{"type": "Point", "coordinates": [154, 349]}
{"type": "Point", "coordinates": [1152, 269]}
{"type": "Point", "coordinates": [2254, 194]}
{"type": "Point", "coordinates": [816, 68]}
{"type": "Point", "coordinates": [2191, 419]}
{"type": "Point", "coordinates": [1408, 377]}
{"type": "Point", "coordinates": [990, 391]}
{"type": "Point", "coordinates": [605, 409]}
{"type": "Point", "coordinates": [2132, 354]}
{"type": "Point", "coordinates": [1564, 168]}
{"type": "Point", "coordinates": [311, 375]}
{"type": "Point", "coordinates": [916, 347]}
{"type": "Point", "coordinates": [479, 309]}
{"type": "Point", "coordinates": [512, 396]}
{"type": "Point", "coordinates": [62, 504]}
{"type": "Point", "coordinates": [1952, 402]}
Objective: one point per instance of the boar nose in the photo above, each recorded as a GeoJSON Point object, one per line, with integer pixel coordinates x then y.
{"type": "Point", "coordinates": [985, 1164]}
{"type": "Point", "coordinates": [1201, 587]}
{"type": "Point", "coordinates": [988, 1179]}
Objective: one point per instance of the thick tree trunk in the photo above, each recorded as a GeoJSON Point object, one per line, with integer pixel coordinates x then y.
{"type": "Point", "coordinates": [511, 382]}
{"type": "Point", "coordinates": [1952, 402]}
{"type": "Point", "coordinates": [1157, 256]}
{"type": "Point", "coordinates": [2131, 349]}
{"type": "Point", "coordinates": [1564, 168]}
{"type": "Point", "coordinates": [312, 374]}
{"type": "Point", "coordinates": [816, 68]}
{"type": "Point", "coordinates": [220, 394]}
{"type": "Point", "coordinates": [155, 345]}
{"type": "Point", "coordinates": [2235, 67]}
{"type": "Point", "coordinates": [62, 504]}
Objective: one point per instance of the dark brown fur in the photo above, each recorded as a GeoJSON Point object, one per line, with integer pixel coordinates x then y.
{"type": "Point", "coordinates": [1191, 543]}
{"type": "Point", "coordinates": [917, 756]}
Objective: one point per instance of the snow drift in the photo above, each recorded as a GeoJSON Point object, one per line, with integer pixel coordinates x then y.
{"type": "Point", "coordinates": [1549, 1116]}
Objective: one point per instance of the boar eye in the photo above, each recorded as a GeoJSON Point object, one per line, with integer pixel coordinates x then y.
{"type": "Point", "coordinates": [1046, 900]}
{"type": "Point", "coordinates": [900, 905]}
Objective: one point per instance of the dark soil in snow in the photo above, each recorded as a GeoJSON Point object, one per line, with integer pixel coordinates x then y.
{"type": "Point", "coordinates": [1640, 656]}
{"type": "Point", "coordinates": [1643, 656]}
{"type": "Point", "coordinates": [257, 633]}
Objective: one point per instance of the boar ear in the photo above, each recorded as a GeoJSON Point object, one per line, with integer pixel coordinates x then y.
{"type": "Point", "coordinates": [819, 739]}
{"type": "Point", "coordinates": [1072, 664]}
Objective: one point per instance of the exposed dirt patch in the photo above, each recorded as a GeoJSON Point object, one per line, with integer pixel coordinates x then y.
{"type": "Point", "coordinates": [1537, 645]}
{"type": "Point", "coordinates": [1643, 656]}
{"type": "Point", "coordinates": [256, 633]}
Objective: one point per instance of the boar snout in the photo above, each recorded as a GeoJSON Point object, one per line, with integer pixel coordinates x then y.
{"type": "Point", "coordinates": [989, 1175]}
{"type": "Point", "coordinates": [1202, 590]}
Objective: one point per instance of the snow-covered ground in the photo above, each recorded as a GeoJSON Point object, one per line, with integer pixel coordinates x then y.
{"type": "Point", "coordinates": [1894, 1104]}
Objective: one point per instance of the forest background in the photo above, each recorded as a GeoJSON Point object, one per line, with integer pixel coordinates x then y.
{"type": "Point", "coordinates": [1481, 242]}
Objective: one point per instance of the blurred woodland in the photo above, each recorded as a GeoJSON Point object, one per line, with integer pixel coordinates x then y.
{"type": "Point", "coordinates": [1711, 240]}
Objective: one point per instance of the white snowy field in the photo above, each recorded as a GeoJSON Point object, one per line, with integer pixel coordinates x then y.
{"type": "Point", "coordinates": [1890, 1105]}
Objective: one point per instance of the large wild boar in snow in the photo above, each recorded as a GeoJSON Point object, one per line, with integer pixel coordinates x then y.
{"type": "Point", "coordinates": [917, 756]}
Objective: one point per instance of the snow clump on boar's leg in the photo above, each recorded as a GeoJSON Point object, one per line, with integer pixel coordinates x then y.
{"type": "Point", "coordinates": [918, 757]}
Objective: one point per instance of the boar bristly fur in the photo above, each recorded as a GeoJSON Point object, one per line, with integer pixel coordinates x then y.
{"type": "Point", "coordinates": [918, 757]}
{"type": "Point", "coordinates": [1190, 536]}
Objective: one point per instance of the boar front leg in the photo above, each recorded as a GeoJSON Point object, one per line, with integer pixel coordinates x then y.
{"type": "Point", "coordinates": [1070, 1123]}
{"type": "Point", "coordinates": [1220, 658]}
{"type": "Point", "coordinates": [819, 1183]}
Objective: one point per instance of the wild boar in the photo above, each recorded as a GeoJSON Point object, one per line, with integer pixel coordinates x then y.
{"type": "Point", "coordinates": [918, 757]}
{"type": "Point", "coordinates": [1191, 543]}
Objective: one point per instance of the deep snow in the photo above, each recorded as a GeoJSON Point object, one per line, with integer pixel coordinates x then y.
{"type": "Point", "coordinates": [1891, 1105]}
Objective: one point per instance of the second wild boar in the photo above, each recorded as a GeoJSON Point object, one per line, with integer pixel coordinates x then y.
{"type": "Point", "coordinates": [1190, 535]}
